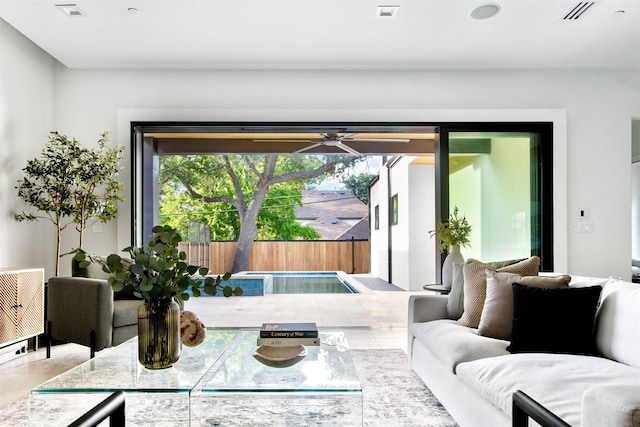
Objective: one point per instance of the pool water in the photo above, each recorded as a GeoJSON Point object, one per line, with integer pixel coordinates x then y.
{"type": "Point", "coordinates": [310, 284]}
{"type": "Point", "coordinates": [304, 282]}
{"type": "Point", "coordinates": [255, 283]}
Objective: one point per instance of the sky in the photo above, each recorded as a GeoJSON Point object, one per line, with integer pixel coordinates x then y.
{"type": "Point", "coordinates": [372, 165]}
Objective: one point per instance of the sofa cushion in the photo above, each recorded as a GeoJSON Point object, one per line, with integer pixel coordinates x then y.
{"type": "Point", "coordinates": [475, 285]}
{"type": "Point", "coordinates": [558, 383]}
{"type": "Point", "coordinates": [497, 314]}
{"type": "Point", "coordinates": [452, 343]}
{"type": "Point", "coordinates": [554, 320]}
{"type": "Point", "coordinates": [125, 312]}
{"type": "Point", "coordinates": [455, 303]}
{"type": "Point", "coordinates": [617, 322]}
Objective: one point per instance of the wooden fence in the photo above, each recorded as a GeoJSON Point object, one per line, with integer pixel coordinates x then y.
{"type": "Point", "coordinates": [296, 255]}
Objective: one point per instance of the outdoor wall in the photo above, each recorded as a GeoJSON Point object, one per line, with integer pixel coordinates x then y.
{"type": "Point", "coordinates": [400, 243]}
{"type": "Point", "coordinates": [379, 240]}
{"type": "Point", "coordinates": [493, 193]}
{"type": "Point", "coordinates": [414, 252]}
{"type": "Point", "coordinates": [422, 218]}
{"type": "Point", "coordinates": [591, 111]}
{"type": "Point", "coordinates": [26, 117]}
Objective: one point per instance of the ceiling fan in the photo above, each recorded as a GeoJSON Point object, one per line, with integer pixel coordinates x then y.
{"type": "Point", "coordinates": [334, 140]}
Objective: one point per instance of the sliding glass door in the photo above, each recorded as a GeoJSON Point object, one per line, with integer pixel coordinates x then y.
{"type": "Point", "coordinates": [501, 182]}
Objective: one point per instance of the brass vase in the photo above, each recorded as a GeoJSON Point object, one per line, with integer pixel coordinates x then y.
{"type": "Point", "coordinates": [159, 333]}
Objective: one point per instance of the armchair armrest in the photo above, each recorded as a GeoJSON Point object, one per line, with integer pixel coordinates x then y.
{"type": "Point", "coordinates": [525, 407]}
{"type": "Point", "coordinates": [76, 306]}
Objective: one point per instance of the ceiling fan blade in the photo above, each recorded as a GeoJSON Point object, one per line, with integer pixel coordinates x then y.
{"type": "Point", "coordinates": [348, 149]}
{"type": "Point", "coordinates": [302, 150]}
{"type": "Point", "coordinates": [283, 140]}
{"type": "Point", "coordinates": [375, 140]}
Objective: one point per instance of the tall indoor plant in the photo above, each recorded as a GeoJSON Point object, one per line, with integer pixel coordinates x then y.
{"type": "Point", "coordinates": [158, 273]}
{"type": "Point", "coordinates": [70, 184]}
{"type": "Point", "coordinates": [452, 233]}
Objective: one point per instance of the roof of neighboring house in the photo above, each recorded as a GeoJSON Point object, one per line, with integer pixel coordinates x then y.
{"type": "Point", "coordinates": [360, 231]}
{"type": "Point", "coordinates": [334, 214]}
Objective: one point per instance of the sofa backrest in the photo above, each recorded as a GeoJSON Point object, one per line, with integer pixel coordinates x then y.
{"type": "Point", "coordinates": [617, 322]}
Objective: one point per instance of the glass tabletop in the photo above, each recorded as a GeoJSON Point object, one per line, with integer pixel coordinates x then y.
{"type": "Point", "coordinates": [325, 368]}
{"type": "Point", "coordinates": [118, 369]}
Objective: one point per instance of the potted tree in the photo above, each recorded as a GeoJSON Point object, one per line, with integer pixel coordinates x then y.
{"type": "Point", "coordinates": [71, 184]}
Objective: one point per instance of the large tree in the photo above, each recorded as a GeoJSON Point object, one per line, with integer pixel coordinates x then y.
{"type": "Point", "coordinates": [252, 194]}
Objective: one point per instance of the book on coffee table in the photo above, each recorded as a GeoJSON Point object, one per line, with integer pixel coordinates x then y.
{"type": "Point", "coordinates": [289, 330]}
{"type": "Point", "coordinates": [288, 334]}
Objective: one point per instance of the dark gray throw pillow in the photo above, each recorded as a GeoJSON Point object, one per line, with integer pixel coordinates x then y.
{"type": "Point", "coordinates": [554, 320]}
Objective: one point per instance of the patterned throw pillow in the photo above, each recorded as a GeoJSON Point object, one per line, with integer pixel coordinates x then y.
{"type": "Point", "coordinates": [475, 285]}
{"type": "Point", "coordinates": [497, 314]}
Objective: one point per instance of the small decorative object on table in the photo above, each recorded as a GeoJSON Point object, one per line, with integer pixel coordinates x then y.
{"type": "Point", "coordinates": [192, 330]}
{"type": "Point", "coordinates": [159, 274]}
{"type": "Point", "coordinates": [452, 234]}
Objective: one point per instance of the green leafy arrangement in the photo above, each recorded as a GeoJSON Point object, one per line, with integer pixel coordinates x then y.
{"type": "Point", "coordinates": [158, 270]}
{"type": "Point", "coordinates": [454, 231]}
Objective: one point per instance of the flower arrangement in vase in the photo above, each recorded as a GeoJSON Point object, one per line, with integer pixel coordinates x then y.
{"type": "Point", "coordinates": [158, 273]}
{"type": "Point", "coordinates": [452, 233]}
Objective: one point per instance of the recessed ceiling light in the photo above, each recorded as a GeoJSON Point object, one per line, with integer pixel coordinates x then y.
{"type": "Point", "coordinates": [133, 11]}
{"type": "Point", "coordinates": [485, 11]}
{"type": "Point", "coordinates": [70, 9]}
{"type": "Point", "coordinates": [387, 11]}
{"type": "Point", "coordinates": [620, 12]}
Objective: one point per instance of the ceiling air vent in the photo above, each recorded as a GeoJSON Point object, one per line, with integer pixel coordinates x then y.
{"type": "Point", "coordinates": [578, 10]}
{"type": "Point", "coordinates": [70, 10]}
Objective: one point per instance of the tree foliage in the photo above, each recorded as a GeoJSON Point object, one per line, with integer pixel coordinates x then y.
{"type": "Point", "coordinates": [96, 190]}
{"type": "Point", "coordinates": [359, 185]}
{"type": "Point", "coordinates": [69, 184]}
{"type": "Point", "coordinates": [241, 197]}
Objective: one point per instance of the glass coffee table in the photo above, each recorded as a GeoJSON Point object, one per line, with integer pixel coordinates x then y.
{"type": "Point", "coordinates": [319, 389]}
{"type": "Point", "coordinates": [219, 382]}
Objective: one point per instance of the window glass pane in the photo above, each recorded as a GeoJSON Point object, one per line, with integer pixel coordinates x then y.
{"type": "Point", "coordinates": [493, 185]}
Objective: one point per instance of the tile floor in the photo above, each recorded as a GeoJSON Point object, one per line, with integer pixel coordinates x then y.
{"type": "Point", "coordinates": [370, 319]}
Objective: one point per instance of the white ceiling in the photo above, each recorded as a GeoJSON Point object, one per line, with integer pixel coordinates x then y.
{"type": "Point", "coordinates": [330, 34]}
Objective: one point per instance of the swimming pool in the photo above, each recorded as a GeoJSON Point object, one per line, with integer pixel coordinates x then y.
{"type": "Point", "coordinates": [308, 283]}
{"type": "Point", "coordinates": [255, 283]}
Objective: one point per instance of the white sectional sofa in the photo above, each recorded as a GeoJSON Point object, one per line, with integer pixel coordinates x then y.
{"type": "Point", "coordinates": [475, 376]}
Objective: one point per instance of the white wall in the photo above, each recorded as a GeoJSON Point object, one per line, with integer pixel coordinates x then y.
{"type": "Point", "coordinates": [591, 110]}
{"type": "Point", "coordinates": [635, 191]}
{"type": "Point", "coordinates": [400, 242]}
{"type": "Point", "coordinates": [379, 241]}
{"type": "Point", "coordinates": [422, 218]}
{"type": "Point", "coordinates": [493, 193]}
{"type": "Point", "coordinates": [26, 117]}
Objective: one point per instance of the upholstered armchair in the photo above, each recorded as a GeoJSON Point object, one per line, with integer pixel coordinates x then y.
{"type": "Point", "coordinates": [83, 309]}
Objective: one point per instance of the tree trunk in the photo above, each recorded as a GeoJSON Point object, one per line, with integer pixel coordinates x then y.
{"type": "Point", "coordinates": [248, 233]}
{"type": "Point", "coordinates": [248, 227]}
{"type": "Point", "coordinates": [58, 243]}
